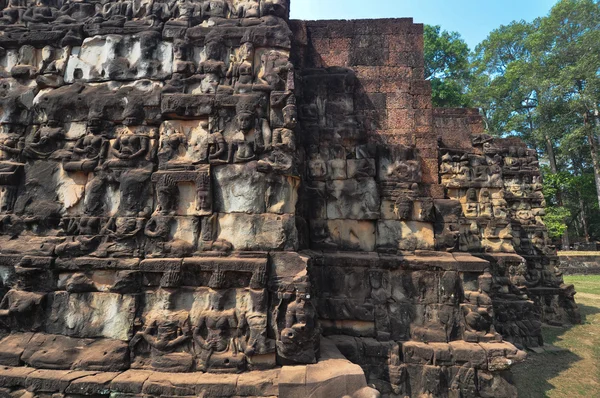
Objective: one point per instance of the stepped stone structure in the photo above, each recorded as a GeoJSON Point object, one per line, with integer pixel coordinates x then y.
{"type": "Point", "coordinates": [204, 198]}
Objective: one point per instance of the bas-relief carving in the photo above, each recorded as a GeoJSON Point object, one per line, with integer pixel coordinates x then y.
{"type": "Point", "coordinates": [159, 159]}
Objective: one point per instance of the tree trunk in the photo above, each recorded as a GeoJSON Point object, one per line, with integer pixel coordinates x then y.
{"type": "Point", "coordinates": [559, 199]}
{"type": "Point", "coordinates": [594, 152]}
{"type": "Point", "coordinates": [586, 230]}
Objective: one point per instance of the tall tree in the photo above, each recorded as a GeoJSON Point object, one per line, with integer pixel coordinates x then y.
{"type": "Point", "coordinates": [540, 81]}
{"type": "Point", "coordinates": [567, 47]}
{"type": "Point", "coordinates": [447, 67]}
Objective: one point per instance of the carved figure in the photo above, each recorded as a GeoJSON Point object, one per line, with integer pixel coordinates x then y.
{"type": "Point", "coordinates": [89, 152]}
{"type": "Point", "coordinates": [217, 335]}
{"type": "Point", "coordinates": [241, 71]}
{"type": "Point", "coordinates": [203, 192]}
{"type": "Point", "coordinates": [295, 341]}
{"type": "Point", "coordinates": [168, 334]}
{"type": "Point", "coordinates": [45, 142]}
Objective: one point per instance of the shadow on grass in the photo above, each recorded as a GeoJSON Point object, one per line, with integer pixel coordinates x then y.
{"type": "Point", "coordinates": [532, 378]}
{"type": "Point", "coordinates": [552, 335]}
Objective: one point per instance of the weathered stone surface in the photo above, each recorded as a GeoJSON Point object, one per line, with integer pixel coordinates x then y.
{"type": "Point", "coordinates": [353, 199]}
{"type": "Point", "coordinates": [193, 193]}
{"type": "Point", "coordinates": [93, 315]}
{"type": "Point", "coordinates": [243, 189]}
{"type": "Point", "coordinates": [254, 232]}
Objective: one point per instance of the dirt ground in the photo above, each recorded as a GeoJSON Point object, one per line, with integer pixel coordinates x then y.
{"type": "Point", "coordinates": [570, 365]}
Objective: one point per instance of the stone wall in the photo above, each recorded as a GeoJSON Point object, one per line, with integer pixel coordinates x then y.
{"type": "Point", "coordinates": [207, 187]}
{"type": "Point", "coordinates": [580, 263]}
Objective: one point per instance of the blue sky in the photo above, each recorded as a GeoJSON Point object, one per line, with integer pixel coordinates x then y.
{"type": "Point", "coordinates": [473, 19]}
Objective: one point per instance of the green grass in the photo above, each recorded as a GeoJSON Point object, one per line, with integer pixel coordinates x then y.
{"type": "Point", "coordinates": [574, 371]}
{"type": "Point", "coordinates": [585, 284]}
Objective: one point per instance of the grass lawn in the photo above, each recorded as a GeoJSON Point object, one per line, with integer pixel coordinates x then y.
{"type": "Point", "coordinates": [573, 369]}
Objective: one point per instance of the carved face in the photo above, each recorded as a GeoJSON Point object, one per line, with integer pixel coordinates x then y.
{"type": "Point", "coordinates": [485, 283]}
{"type": "Point", "coordinates": [204, 200]}
{"type": "Point", "coordinates": [217, 8]}
{"type": "Point", "coordinates": [213, 50]}
{"type": "Point", "coordinates": [179, 51]}
{"type": "Point", "coordinates": [376, 279]}
{"type": "Point", "coordinates": [247, 52]}
{"type": "Point", "coordinates": [290, 116]}
{"type": "Point", "coordinates": [245, 121]}
{"type": "Point", "coordinates": [26, 55]}
{"type": "Point", "coordinates": [472, 195]}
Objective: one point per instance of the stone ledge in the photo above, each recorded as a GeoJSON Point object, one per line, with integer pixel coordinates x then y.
{"type": "Point", "coordinates": [140, 382]}
{"type": "Point", "coordinates": [333, 376]}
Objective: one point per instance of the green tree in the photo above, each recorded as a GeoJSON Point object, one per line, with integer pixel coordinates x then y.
{"type": "Point", "coordinates": [447, 67]}
{"type": "Point", "coordinates": [540, 81]}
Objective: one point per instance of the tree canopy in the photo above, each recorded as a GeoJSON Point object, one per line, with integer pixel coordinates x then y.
{"type": "Point", "coordinates": [539, 81]}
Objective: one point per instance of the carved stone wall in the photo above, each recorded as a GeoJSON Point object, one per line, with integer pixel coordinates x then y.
{"type": "Point", "coordinates": [207, 187]}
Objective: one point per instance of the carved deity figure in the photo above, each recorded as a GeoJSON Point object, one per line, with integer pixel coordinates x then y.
{"type": "Point", "coordinates": [89, 152]}
{"type": "Point", "coordinates": [159, 242]}
{"type": "Point", "coordinates": [256, 323]}
{"type": "Point", "coordinates": [247, 9]}
{"type": "Point", "coordinates": [275, 7]}
{"type": "Point", "coordinates": [43, 12]}
{"type": "Point", "coordinates": [20, 308]}
{"type": "Point", "coordinates": [168, 334]}
{"type": "Point", "coordinates": [405, 165]}
{"type": "Point", "coordinates": [167, 194]}
{"type": "Point", "coordinates": [282, 146]}
{"type": "Point", "coordinates": [512, 161]}
{"type": "Point", "coordinates": [45, 142]}
{"type": "Point", "coordinates": [295, 342]}
{"type": "Point", "coordinates": [485, 203]}
{"type": "Point", "coordinates": [241, 70]}
{"type": "Point", "coordinates": [470, 239]}
{"type": "Point", "coordinates": [217, 9]}
{"type": "Point", "coordinates": [128, 150]}
{"type": "Point", "coordinates": [26, 63]}
{"type": "Point", "coordinates": [212, 70]}
{"type": "Point", "coordinates": [11, 14]}
{"type": "Point", "coordinates": [472, 205]}
{"type": "Point", "coordinates": [276, 71]}
{"type": "Point", "coordinates": [447, 166]}
{"type": "Point", "coordinates": [250, 137]}
{"type": "Point", "coordinates": [120, 237]}
{"type": "Point", "coordinates": [481, 172]}
{"type": "Point", "coordinates": [182, 59]}
{"type": "Point", "coordinates": [213, 149]}
{"type": "Point", "coordinates": [216, 334]}
{"type": "Point", "coordinates": [172, 146]}
{"type": "Point", "coordinates": [114, 13]}
{"type": "Point", "coordinates": [380, 297]}
{"type": "Point", "coordinates": [203, 192]}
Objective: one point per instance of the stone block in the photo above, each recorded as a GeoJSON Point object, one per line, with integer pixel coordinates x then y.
{"type": "Point", "coordinates": [356, 199]}
{"type": "Point", "coordinates": [352, 235]}
{"type": "Point", "coordinates": [241, 188]}
{"type": "Point", "coordinates": [101, 58]}
{"type": "Point", "coordinates": [53, 380]}
{"type": "Point", "coordinates": [85, 315]}
{"type": "Point", "coordinates": [262, 383]}
{"type": "Point", "coordinates": [12, 348]}
{"type": "Point", "coordinates": [14, 376]}
{"type": "Point", "coordinates": [130, 382]}
{"type": "Point", "coordinates": [98, 384]}
{"type": "Point", "coordinates": [406, 236]}
{"type": "Point", "coordinates": [259, 232]}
